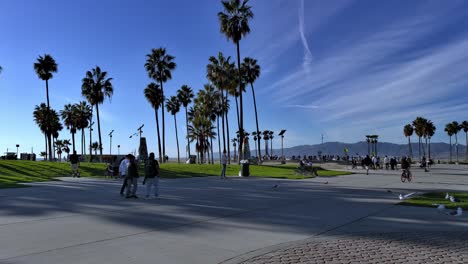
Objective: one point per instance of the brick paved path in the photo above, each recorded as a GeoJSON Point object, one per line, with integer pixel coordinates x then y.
{"type": "Point", "coordinates": [433, 247]}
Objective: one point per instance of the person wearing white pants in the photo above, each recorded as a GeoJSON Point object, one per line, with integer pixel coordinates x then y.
{"type": "Point", "coordinates": [151, 176]}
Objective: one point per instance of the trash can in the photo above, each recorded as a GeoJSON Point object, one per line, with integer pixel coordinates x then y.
{"type": "Point", "coordinates": [245, 171]}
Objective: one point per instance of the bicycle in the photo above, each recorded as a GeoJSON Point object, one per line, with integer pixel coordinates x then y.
{"type": "Point", "coordinates": [406, 175]}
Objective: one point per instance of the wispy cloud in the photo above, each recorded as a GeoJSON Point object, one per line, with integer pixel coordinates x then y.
{"type": "Point", "coordinates": [307, 54]}
{"type": "Point", "coordinates": [382, 79]}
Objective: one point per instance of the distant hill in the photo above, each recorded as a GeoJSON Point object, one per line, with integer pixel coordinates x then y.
{"type": "Point", "coordinates": [438, 150]}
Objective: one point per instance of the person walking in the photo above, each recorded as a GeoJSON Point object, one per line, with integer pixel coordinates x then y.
{"type": "Point", "coordinates": [224, 160]}
{"type": "Point", "coordinates": [132, 178]}
{"type": "Point", "coordinates": [75, 163]}
{"type": "Point", "coordinates": [151, 176]}
{"type": "Point", "coordinates": [367, 162]}
{"type": "Point", "coordinates": [123, 172]}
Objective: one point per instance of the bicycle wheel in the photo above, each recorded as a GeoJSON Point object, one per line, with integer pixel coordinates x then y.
{"type": "Point", "coordinates": [403, 177]}
{"type": "Point", "coordinates": [410, 177]}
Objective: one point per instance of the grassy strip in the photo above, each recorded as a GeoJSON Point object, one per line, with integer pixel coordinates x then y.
{"type": "Point", "coordinates": [14, 172]}
{"type": "Point", "coordinates": [428, 199]}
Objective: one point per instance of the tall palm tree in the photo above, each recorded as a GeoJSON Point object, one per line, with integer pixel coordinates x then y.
{"type": "Point", "coordinates": [159, 66]}
{"type": "Point", "coordinates": [71, 120]}
{"type": "Point", "coordinates": [66, 146]}
{"type": "Point", "coordinates": [95, 88]}
{"type": "Point", "coordinates": [234, 23]}
{"type": "Point", "coordinates": [185, 96]}
{"type": "Point", "coordinates": [266, 137]}
{"type": "Point", "coordinates": [429, 132]}
{"type": "Point", "coordinates": [220, 73]}
{"type": "Point", "coordinates": [154, 95]}
{"type": "Point", "coordinates": [408, 132]}
{"type": "Point", "coordinates": [45, 67]}
{"type": "Point", "coordinates": [41, 117]}
{"type": "Point", "coordinates": [271, 142]}
{"type": "Point", "coordinates": [59, 146]}
{"type": "Point", "coordinates": [84, 114]}
{"type": "Point", "coordinates": [464, 126]}
{"type": "Point", "coordinates": [251, 72]}
{"type": "Point", "coordinates": [173, 107]}
{"type": "Point", "coordinates": [419, 125]}
{"type": "Point", "coordinates": [450, 131]}
{"type": "Point", "coordinates": [456, 128]}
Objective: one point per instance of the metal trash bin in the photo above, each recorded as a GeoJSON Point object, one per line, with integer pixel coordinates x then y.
{"type": "Point", "coordinates": [245, 170]}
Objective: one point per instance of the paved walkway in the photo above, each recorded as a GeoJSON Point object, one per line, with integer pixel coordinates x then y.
{"type": "Point", "coordinates": [206, 220]}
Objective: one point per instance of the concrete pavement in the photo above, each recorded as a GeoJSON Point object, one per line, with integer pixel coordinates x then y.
{"type": "Point", "coordinates": [207, 220]}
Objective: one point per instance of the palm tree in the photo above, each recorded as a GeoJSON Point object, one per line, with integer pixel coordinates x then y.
{"type": "Point", "coordinates": [84, 114]}
{"type": "Point", "coordinates": [266, 137]}
{"type": "Point", "coordinates": [173, 107]}
{"type": "Point", "coordinates": [450, 131]}
{"type": "Point", "coordinates": [45, 67]}
{"type": "Point", "coordinates": [55, 128]}
{"type": "Point", "coordinates": [41, 117]}
{"type": "Point", "coordinates": [251, 73]}
{"type": "Point", "coordinates": [95, 147]}
{"type": "Point", "coordinates": [70, 118]}
{"type": "Point", "coordinates": [235, 25]}
{"type": "Point", "coordinates": [408, 132]}
{"type": "Point", "coordinates": [419, 124]}
{"type": "Point", "coordinates": [185, 96]}
{"type": "Point", "coordinates": [429, 132]}
{"type": "Point", "coordinates": [95, 88]}
{"type": "Point", "coordinates": [159, 66]}
{"type": "Point", "coordinates": [66, 146]}
{"type": "Point", "coordinates": [464, 126]}
{"type": "Point", "coordinates": [153, 94]}
{"type": "Point", "coordinates": [219, 72]}
{"type": "Point", "coordinates": [59, 147]}
{"type": "Point", "coordinates": [456, 128]}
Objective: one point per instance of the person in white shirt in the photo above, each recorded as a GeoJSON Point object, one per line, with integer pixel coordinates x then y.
{"type": "Point", "coordinates": [123, 172]}
{"type": "Point", "coordinates": [224, 160]}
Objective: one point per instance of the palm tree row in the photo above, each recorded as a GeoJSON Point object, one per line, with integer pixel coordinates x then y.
{"type": "Point", "coordinates": [423, 128]}
{"type": "Point", "coordinates": [95, 88]}
{"type": "Point", "coordinates": [452, 129]}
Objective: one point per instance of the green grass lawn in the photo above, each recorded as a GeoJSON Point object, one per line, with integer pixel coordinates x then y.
{"type": "Point", "coordinates": [14, 172]}
{"type": "Point", "coordinates": [428, 199]}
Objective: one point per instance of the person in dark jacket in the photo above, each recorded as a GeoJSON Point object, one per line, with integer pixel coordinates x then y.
{"type": "Point", "coordinates": [151, 176]}
{"type": "Point", "coordinates": [367, 162]}
{"type": "Point", "coordinates": [132, 178]}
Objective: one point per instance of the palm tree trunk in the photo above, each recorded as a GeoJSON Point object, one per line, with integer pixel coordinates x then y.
{"type": "Point", "coordinates": [49, 135]}
{"type": "Point", "coordinates": [219, 140]}
{"type": "Point", "coordinates": [159, 136]}
{"type": "Point", "coordinates": [256, 118]}
{"type": "Point", "coordinates": [456, 145]}
{"type": "Point", "coordinates": [49, 139]}
{"type": "Point", "coordinates": [429, 149]}
{"type": "Point", "coordinates": [419, 148]}
{"type": "Point", "coordinates": [186, 126]}
{"type": "Point", "coordinates": [84, 141]}
{"type": "Point", "coordinates": [53, 147]}
{"type": "Point", "coordinates": [163, 124]}
{"type": "Point", "coordinates": [212, 155]}
{"type": "Point", "coordinates": [450, 142]}
{"type": "Point", "coordinates": [410, 148]}
{"type": "Point", "coordinates": [227, 139]}
{"type": "Point", "coordinates": [224, 101]}
{"type": "Point", "coordinates": [177, 140]}
{"type": "Point", "coordinates": [90, 144]}
{"type": "Point", "coordinates": [73, 142]}
{"type": "Point", "coordinates": [99, 133]}
{"type": "Point", "coordinates": [241, 105]}
{"type": "Point", "coordinates": [45, 139]}
{"type": "Point", "coordinates": [237, 110]}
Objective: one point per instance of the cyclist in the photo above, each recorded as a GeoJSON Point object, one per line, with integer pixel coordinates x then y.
{"type": "Point", "coordinates": [405, 166]}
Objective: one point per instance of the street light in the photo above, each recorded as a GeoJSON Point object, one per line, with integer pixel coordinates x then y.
{"type": "Point", "coordinates": [110, 135]}
{"type": "Point", "coordinates": [17, 147]}
{"type": "Point", "coordinates": [281, 134]}
{"type": "Point", "coordinates": [118, 147]}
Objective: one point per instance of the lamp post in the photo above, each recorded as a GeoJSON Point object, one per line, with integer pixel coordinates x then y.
{"type": "Point", "coordinates": [281, 134]}
{"type": "Point", "coordinates": [118, 149]}
{"type": "Point", "coordinates": [91, 142]}
{"type": "Point", "coordinates": [110, 147]}
{"type": "Point", "coordinates": [17, 148]}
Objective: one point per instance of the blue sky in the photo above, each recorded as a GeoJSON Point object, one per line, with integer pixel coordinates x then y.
{"type": "Point", "coordinates": [341, 68]}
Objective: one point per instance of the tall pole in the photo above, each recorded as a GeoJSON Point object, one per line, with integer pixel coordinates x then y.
{"type": "Point", "coordinates": [118, 149]}
{"type": "Point", "coordinates": [110, 148]}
